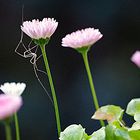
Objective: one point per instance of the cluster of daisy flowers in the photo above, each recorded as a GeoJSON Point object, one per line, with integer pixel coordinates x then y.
{"type": "Point", "coordinates": [81, 38]}
{"type": "Point", "coordinates": [44, 29]}
{"type": "Point", "coordinates": [10, 100]}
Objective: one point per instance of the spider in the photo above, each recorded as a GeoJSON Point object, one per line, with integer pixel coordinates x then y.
{"type": "Point", "coordinates": [31, 52]}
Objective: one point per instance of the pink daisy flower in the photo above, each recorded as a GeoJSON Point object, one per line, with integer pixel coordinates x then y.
{"type": "Point", "coordinates": [136, 58]}
{"type": "Point", "coordinates": [39, 29]}
{"type": "Point", "coordinates": [82, 38]}
{"type": "Point", "coordinates": [9, 105]}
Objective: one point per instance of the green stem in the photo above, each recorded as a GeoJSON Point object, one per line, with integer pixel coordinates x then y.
{"type": "Point", "coordinates": [8, 131]}
{"type": "Point", "coordinates": [52, 89]}
{"type": "Point", "coordinates": [95, 100]}
{"type": "Point", "coordinates": [17, 127]}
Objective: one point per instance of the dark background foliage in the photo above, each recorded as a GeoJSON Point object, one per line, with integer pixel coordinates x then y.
{"type": "Point", "coordinates": [116, 78]}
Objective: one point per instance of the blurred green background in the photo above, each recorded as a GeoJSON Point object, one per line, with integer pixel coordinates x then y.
{"type": "Point", "coordinates": [116, 78]}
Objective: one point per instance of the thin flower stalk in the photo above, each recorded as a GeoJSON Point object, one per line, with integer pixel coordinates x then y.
{"type": "Point", "coordinates": [17, 126]}
{"type": "Point", "coordinates": [95, 100]}
{"type": "Point", "coordinates": [52, 89]}
{"type": "Point", "coordinates": [8, 131]}
{"type": "Point", "coordinates": [81, 41]}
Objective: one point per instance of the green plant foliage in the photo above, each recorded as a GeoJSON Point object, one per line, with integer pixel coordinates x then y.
{"type": "Point", "coordinates": [133, 107]}
{"type": "Point", "coordinates": [137, 116]}
{"type": "Point", "coordinates": [109, 112]}
{"type": "Point", "coordinates": [134, 134]}
{"type": "Point", "coordinates": [73, 132]}
{"type": "Point", "coordinates": [115, 130]}
{"type": "Point", "coordinates": [116, 133]}
{"type": "Point", "coordinates": [99, 134]}
{"type": "Point", "coordinates": [134, 131]}
{"type": "Point", "coordinates": [135, 126]}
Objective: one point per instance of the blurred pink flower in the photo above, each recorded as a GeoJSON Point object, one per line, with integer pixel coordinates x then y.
{"type": "Point", "coordinates": [9, 105]}
{"type": "Point", "coordinates": [82, 38]}
{"type": "Point", "coordinates": [13, 89]}
{"type": "Point", "coordinates": [39, 29]}
{"type": "Point", "coordinates": [136, 58]}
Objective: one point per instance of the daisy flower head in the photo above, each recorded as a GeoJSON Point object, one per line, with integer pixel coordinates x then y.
{"type": "Point", "coordinates": [136, 58]}
{"type": "Point", "coordinates": [82, 38]}
{"type": "Point", "coordinates": [13, 89]}
{"type": "Point", "coordinates": [9, 105]}
{"type": "Point", "coordinates": [39, 29]}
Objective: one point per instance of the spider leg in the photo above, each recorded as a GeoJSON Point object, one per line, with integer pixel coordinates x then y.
{"type": "Point", "coordinates": [29, 53]}
{"type": "Point", "coordinates": [25, 48]}
{"type": "Point", "coordinates": [20, 42]}
{"type": "Point", "coordinates": [33, 59]}
{"type": "Point", "coordinates": [39, 57]}
{"type": "Point", "coordinates": [37, 67]}
{"type": "Point", "coordinates": [31, 48]}
{"type": "Point", "coordinates": [41, 71]}
{"type": "Point", "coordinates": [35, 71]}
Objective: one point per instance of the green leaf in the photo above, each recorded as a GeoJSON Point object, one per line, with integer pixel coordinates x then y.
{"type": "Point", "coordinates": [116, 133]}
{"type": "Point", "coordinates": [135, 126]}
{"type": "Point", "coordinates": [109, 112]}
{"type": "Point", "coordinates": [137, 117]}
{"type": "Point", "coordinates": [134, 135]}
{"type": "Point", "coordinates": [110, 132]}
{"type": "Point", "coordinates": [134, 131]}
{"type": "Point", "coordinates": [98, 135]}
{"type": "Point", "coordinates": [121, 134]}
{"type": "Point", "coordinates": [73, 132]}
{"type": "Point", "coordinates": [133, 108]}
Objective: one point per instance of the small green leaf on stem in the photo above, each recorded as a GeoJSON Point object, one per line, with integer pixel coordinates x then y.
{"type": "Point", "coordinates": [110, 113]}
{"type": "Point", "coordinates": [133, 109]}
{"type": "Point", "coordinates": [99, 134]}
{"type": "Point", "coordinates": [116, 133]}
{"type": "Point", "coordinates": [73, 132]}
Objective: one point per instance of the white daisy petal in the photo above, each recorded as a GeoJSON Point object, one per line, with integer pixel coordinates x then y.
{"type": "Point", "coordinates": [14, 89]}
